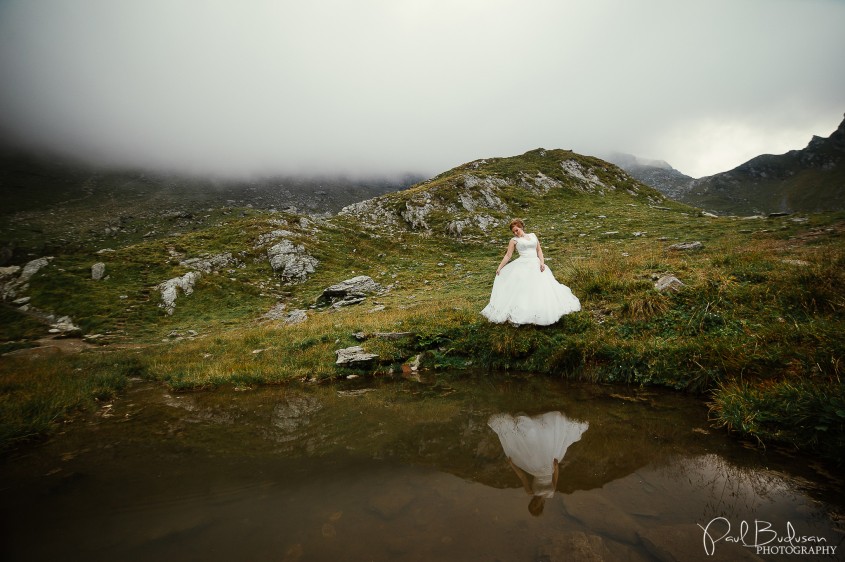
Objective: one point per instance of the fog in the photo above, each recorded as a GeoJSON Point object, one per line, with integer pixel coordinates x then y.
{"type": "Point", "coordinates": [380, 87]}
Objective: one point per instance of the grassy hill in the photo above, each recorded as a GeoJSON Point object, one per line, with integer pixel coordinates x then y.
{"type": "Point", "coordinates": [758, 323]}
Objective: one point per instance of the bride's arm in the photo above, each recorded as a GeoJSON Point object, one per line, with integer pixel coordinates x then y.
{"type": "Point", "coordinates": [540, 255]}
{"type": "Point", "coordinates": [507, 257]}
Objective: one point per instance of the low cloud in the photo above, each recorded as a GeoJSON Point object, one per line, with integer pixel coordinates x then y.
{"type": "Point", "coordinates": [387, 87]}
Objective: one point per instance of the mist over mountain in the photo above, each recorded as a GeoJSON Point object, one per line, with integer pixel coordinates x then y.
{"type": "Point", "coordinates": [658, 174]}
{"type": "Point", "coordinates": [29, 181]}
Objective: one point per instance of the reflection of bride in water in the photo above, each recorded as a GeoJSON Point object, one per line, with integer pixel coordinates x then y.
{"type": "Point", "coordinates": [535, 446]}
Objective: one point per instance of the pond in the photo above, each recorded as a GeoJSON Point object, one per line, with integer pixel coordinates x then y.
{"type": "Point", "coordinates": [411, 470]}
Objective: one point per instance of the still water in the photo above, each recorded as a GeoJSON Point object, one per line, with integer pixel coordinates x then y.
{"type": "Point", "coordinates": [408, 470]}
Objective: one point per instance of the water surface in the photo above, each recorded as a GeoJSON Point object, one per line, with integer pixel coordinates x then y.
{"type": "Point", "coordinates": [401, 470]}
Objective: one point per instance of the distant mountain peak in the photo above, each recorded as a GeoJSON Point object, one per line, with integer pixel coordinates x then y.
{"type": "Point", "coordinates": [808, 180]}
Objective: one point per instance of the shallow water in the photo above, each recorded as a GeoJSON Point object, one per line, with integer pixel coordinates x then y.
{"type": "Point", "coordinates": [403, 470]}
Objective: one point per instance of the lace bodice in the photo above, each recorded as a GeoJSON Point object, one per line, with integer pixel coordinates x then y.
{"type": "Point", "coordinates": [526, 246]}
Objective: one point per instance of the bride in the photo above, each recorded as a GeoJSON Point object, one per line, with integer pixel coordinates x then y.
{"type": "Point", "coordinates": [525, 291]}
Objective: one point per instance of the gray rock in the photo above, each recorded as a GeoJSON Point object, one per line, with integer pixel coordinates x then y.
{"type": "Point", "coordinates": [687, 246]}
{"type": "Point", "coordinates": [275, 313]}
{"type": "Point", "coordinates": [353, 289]}
{"type": "Point", "coordinates": [353, 356]}
{"type": "Point", "coordinates": [348, 301]}
{"type": "Point", "coordinates": [170, 289]}
{"type": "Point", "coordinates": [271, 236]}
{"type": "Point", "coordinates": [22, 301]}
{"type": "Point", "coordinates": [291, 262]}
{"type": "Point", "coordinates": [668, 283]}
{"type": "Point", "coordinates": [64, 327]}
{"type": "Point", "coordinates": [415, 215]}
{"type": "Point", "coordinates": [296, 316]}
{"type": "Point", "coordinates": [98, 271]}
{"type": "Point", "coordinates": [208, 264]}
{"type": "Point", "coordinates": [31, 268]}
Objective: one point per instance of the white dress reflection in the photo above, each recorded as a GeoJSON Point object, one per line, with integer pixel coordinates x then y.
{"type": "Point", "coordinates": [535, 447]}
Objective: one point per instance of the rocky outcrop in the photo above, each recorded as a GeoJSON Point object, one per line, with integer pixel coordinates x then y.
{"type": "Point", "coordinates": [291, 262]}
{"type": "Point", "coordinates": [209, 263]}
{"type": "Point", "coordinates": [14, 280]}
{"type": "Point", "coordinates": [350, 291]}
{"type": "Point", "coordinates": [170, 289]}
{"type": "Point", "coordinates": [472, 199]}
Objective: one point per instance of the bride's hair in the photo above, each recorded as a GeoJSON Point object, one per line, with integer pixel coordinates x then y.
{"type": "Point", "coordinates": [516, 222]}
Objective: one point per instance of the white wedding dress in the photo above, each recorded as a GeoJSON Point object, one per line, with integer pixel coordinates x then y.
{"type": "Point", "coordinates": [522, 294]}
{"type": "Point", "coordinates": [534, 443]}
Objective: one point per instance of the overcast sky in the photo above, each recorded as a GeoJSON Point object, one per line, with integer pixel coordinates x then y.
{"type": "Point", "coordinates": [391, 86]}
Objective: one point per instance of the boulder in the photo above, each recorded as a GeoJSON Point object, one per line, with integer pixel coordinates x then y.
{"type": "Point", "coordinates": [350, 291]}
{"type": "Point", "coordinates": [291, 262]}
{"type": "Point", "coordinates": [98, 271]}
{"type": "Point", "coordinates": [354, 355]}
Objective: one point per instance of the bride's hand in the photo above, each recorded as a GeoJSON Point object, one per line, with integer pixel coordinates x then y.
{"type": "Point", "coordinates": [542, 267]}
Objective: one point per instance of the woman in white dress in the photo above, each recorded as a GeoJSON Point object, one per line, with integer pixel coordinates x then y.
{"type": "Point", "coordinates": [535, 447]}
{"type": "Point", "coordinates": [525, 291]}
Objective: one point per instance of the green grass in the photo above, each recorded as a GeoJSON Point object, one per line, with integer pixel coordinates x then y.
{"type": "Point", "coordinates": [37, 394]}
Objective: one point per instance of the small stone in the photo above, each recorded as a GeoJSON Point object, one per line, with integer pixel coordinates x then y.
{"type": "Point", "coordinates": [667, 283]}
{"type": "Point", "coordinates": [687, 246]}
{"type": "Point", "coordinates": [98, 271]}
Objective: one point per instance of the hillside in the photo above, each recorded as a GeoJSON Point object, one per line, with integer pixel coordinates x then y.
{"type": "Point", "coordinates": [78, 204]}
{"type": "Point", "coordinates": [238, 295]}
{"type": "Point", "coordinates": [808, 180]}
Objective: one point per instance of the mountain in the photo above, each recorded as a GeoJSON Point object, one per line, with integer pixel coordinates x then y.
{"type": "Point", "coordinates": [808, 180]}
{"type": "Point", "coordinates": [655, 173]}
